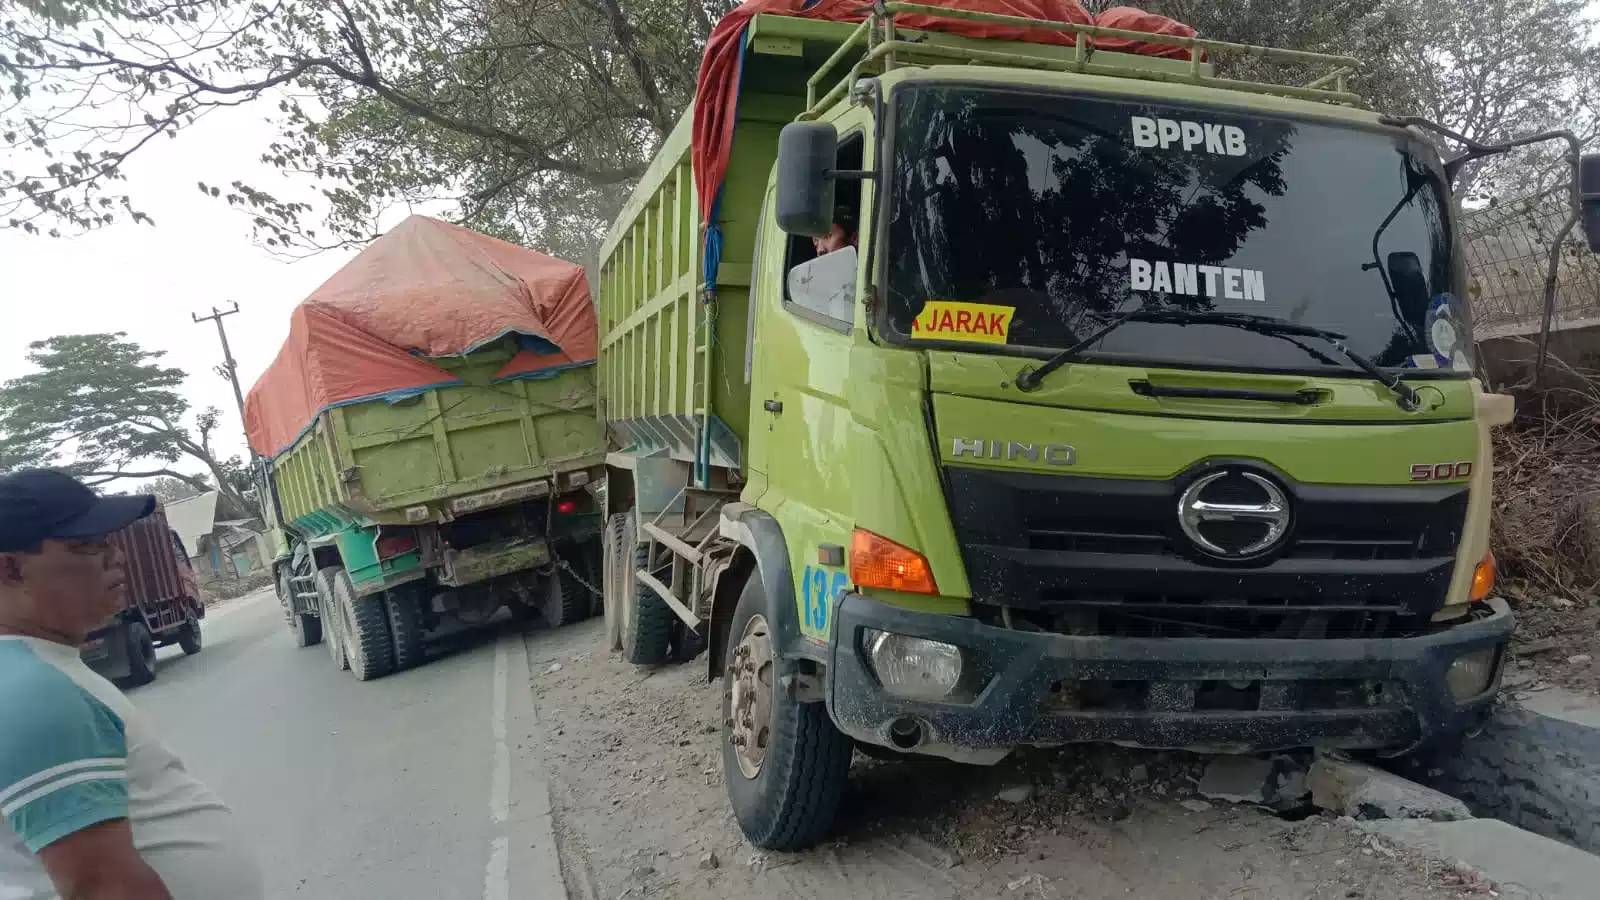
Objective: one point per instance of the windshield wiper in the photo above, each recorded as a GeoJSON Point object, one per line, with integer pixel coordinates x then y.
{"type": "Point", "coordinates": [1029, 378]}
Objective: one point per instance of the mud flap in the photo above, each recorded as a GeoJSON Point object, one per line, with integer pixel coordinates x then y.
{"type": "Point", "coordinates": [761, 534]}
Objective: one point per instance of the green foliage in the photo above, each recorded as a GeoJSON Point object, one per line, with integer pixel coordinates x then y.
{"type": "Point", "coordinates": [104, 408]}
{"type": "Point", "coordinates": [531, 118]}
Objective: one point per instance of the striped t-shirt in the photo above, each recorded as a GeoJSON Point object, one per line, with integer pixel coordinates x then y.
{"type": "Point", "coordinates": [75, 752]}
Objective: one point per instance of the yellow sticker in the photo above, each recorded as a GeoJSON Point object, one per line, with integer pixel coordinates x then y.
{"type": "Point", "coordinates": [949, 320]}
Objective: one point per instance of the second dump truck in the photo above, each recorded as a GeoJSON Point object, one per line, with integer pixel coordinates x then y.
{"type": "Point", "coordinates": [430, 444]}
{"type": "Point", "coordinates": [1026, 392]}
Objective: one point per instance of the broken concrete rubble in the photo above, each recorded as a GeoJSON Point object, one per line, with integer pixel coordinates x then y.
{"type": "Point", "coordinates": [1361, 791]}
{"type": "Point", "coordinates": [1278, 783]}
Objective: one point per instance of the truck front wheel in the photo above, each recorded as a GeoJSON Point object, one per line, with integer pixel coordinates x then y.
{"type": "Point", "coordinates": [784, 762]}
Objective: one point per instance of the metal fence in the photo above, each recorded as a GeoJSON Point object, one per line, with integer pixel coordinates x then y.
{"type": "Point", "coordinates": [1507, 248]}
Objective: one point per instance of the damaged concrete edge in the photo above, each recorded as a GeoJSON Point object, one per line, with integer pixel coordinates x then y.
{"type": "Point", "coordinates": [1522, 864]}
{"type": "Point", "coordinates": [1419, 818]}
{"type": "Point", "coordinates": [1536, 765]}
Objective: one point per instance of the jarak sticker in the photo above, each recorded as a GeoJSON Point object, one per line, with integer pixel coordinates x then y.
{"type": "Point", "coordinates": [949, 320]}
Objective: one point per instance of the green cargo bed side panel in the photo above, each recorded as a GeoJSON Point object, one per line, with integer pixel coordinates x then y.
{"type": "Point", "coordinates": [377, 458]}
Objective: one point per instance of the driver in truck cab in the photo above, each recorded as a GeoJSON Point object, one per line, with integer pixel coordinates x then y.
{"type": "Point", "coordinates": [843, 233]}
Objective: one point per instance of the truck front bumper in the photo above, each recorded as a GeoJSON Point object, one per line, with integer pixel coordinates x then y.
{"type": "Point", "coordinates": [1219, 694]}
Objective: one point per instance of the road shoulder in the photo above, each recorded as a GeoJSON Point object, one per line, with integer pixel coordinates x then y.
{"type": "Point", "coordinates": [528, 842]}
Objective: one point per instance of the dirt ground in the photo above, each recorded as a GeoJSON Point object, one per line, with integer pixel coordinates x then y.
{"type": "Point", "coordinates": [636, 777]}
{"type": "Point", "coordinates": [1557, 642]}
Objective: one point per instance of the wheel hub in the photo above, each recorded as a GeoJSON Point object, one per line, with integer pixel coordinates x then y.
{"type": "Point", "coordinates": [749, 684]}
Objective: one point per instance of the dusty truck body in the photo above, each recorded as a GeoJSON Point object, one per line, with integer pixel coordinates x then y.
{"type": "Point", "coordinates": [443, 470]}
{"type": "Point", "coordinates": [164, 604]}
{"type": "Point", "coordinates": [1127, 403]}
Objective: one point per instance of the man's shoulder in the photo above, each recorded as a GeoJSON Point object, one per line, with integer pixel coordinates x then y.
{"type": "Point", "coordinates": [36, 695]}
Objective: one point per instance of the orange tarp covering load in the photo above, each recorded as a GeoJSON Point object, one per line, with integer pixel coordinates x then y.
{"type": "Point", "coordinates": [424, 289]}
{"type": "Point", "coordinates": [716, 99]}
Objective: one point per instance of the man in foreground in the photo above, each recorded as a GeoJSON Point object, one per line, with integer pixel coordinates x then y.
{"type": "Point", "coordinates": [92, 805]}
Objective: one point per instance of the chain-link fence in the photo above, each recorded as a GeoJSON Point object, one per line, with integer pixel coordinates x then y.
{"type": "Point", "coordinates": [1507, 248]}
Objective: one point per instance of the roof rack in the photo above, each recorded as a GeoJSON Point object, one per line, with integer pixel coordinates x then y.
{"type": "Point", "coordinates": [886, 50]}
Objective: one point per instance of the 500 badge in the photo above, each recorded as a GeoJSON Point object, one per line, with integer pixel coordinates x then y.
{"type": "Point", "coordinates": [1441, 471]}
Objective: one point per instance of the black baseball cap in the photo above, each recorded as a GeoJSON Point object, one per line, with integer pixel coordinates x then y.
{"type": "Point", "coordinates": [39, 504]}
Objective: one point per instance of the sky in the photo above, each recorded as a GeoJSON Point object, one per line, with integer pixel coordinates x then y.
{"type": "Point", "coordinates": [147, 281]}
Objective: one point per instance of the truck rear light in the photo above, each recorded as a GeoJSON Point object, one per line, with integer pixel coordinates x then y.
{"type": "Point", "coordinates": [877, 562]}
{"type": "Point", "coordinates": [1483, 577]}
{"type": "Point", "coordinates": [390, 547]}
{"type": "Point", "coordinates": [567, 506]}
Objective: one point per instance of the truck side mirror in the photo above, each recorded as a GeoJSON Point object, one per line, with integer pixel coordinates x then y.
{"type": "Point", "coordinates": [807, 154]}
{"type": "Point", "coordinates": [1589, 197]}
{"type": "Point", "coordinates": [1409, 282]}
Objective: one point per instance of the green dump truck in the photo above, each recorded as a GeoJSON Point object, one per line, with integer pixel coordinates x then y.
{"type": "Point", "coordinates": [1044, 395]}
{"type": "Point", "coordinates": [431, 447]}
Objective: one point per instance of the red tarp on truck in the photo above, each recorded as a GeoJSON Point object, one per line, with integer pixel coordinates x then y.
{"type": "Point", "coordinates": [716, 100]}
{"type": "Point", "coordinates": [425, 289]}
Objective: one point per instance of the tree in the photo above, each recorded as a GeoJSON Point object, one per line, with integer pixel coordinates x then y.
{"type": "Point", "coordinates": [532, 118]}
{"type": "Point", "coordinates": [1491, 69]}
{"type": "Point", "coordinates": [530, 115]}
{"type": "Point", "coordinates": [1498, 69]}
{"type": "Point", "coordinates": [167, 489]}
{"type": "Point", "coordinates": [104, 409]}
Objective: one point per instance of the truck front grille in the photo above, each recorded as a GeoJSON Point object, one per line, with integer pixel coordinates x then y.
{"type": "Point", "coordinates": [1108, 556]}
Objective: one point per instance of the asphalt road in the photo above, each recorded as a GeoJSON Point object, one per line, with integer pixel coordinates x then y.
{"type": "Point", "coordinates": [421, 785]}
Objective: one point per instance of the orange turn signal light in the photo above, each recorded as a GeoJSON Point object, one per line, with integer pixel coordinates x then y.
{"type": "Point", "coordinates": [877, 562]}
{"type": "Point", "coordinates": [1483, 577]}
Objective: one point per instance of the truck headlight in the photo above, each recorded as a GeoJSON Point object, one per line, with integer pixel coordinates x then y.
{"type": "Point", "coordinates": [913, 667]}
{"type": "Point", "coordinates": [1469, 675]}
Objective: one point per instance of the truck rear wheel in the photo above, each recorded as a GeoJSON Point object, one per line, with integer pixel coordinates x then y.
{"type": "Point", "coordinates": [613, 583]}
{"type": "Point", "coordinates": [647, 620]}
{"type": "Point", "coordinates": [403, 609]}
{"type": "Point", "coordinates": [329, 616]}
{"type": "Point", "coordinates": [141, 654]}
{"type": "Point", "coordinates": [307, 630]}
{"type": "Point", "coordinates": [189, 636]}
{"type": "Point", "coordinates": [582, 577]}
{"type": "Point", "coordinates": [784, 762]}
{"type": "Point", "coordinates": [363, 630]}
{"type": "Point", "coordinates": [561, 605]}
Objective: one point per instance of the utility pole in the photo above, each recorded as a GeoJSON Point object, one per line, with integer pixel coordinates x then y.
{"type": "Point", "coordinates": [229, 369]}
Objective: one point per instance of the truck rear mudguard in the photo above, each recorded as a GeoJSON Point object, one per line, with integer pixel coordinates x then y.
{"type": "Point", "coordinates": [1215, 694]}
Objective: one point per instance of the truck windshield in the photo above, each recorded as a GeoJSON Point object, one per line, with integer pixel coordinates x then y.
{"type": "Point", "coordinates": [1028, 220]}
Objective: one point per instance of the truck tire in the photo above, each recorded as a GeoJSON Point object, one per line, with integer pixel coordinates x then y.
{"type": "Point", "coordinates": [307, 630]}
{"type": "Point", "coordinates": [329, 616]}
{"type": "Point", "coordinates": [402, 608]}
{"type": "Point", "coordinates": [647, 620]}
{"type": "Point", "coordinates": [784, 762]}
{"type": "Point", "coordinates": [363, 630]}
{"type": "Point", "coordinates": [141, 654]}
{"type": "Point", "coordinates": [189, 636]}
{"type": "Point", "coordinates": [561, 605]}
{"type": "Point", "coordinates": [613, 584]}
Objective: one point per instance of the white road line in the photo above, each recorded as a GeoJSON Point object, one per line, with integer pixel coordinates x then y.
{"type": "Point", "coordinates": [497, 876]}
{"type": "Point", "coordinates": [500, 775]}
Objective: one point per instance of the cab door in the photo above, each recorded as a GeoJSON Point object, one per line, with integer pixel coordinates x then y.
{"type": "Point", "coordinates": [801, 426]}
